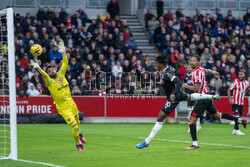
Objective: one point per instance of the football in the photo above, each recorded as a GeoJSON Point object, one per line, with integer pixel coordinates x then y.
{"type": "Point", "coordinates": [36, 50]}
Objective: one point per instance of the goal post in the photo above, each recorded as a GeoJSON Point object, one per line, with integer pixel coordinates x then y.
{"type": "Point", "coordinates": [8, 85]}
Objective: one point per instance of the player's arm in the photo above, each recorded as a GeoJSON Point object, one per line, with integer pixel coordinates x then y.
{"type": "Point", "coordinates": [38, 68]}
{"type": "Point", "coordinates": [62, 50]}
{"type": "Point", "coordinates": [231, 87]}
{"type": "Point", "coordinates": [229, 95]}
{"type": "Point", "coordinates": [211, 72]}
{"type": "Point", "coordinates": [194, 88]}
{"type": "Point", "coordinates": [176, 81]}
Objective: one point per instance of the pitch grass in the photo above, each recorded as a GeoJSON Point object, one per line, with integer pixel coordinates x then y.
{"type": "Point", "coordinates": [113, 145]}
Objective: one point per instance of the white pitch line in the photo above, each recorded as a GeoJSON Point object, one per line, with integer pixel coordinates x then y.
{"type": "Point", "coordinates": [41, 163]}
{"type": "Point", "coordinates": [211, 144]}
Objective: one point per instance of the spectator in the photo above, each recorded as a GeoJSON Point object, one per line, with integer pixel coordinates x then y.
{"type": "Point", "coordinates": [148, 16]}
{"type": "Point", "coordinates": [152, 24]}
{"type": "Point", "coordinates": [246, 17]}
{"type": "Point", "coordinates": [159, 8]}
{"type": "Point", "coordinates": [223, 89]}
{"type": "Point", "coordinates": [168, 16]}
{"type": "Point", "coordinates": [32, 90]}
{"type": "Point", "coordinates": [212, 88]}
{"type": "Point", "coordinates": [63, 14]}
{"type": "Point", "coordinates": [49, 14]}
{"type": "Point", "coordinates": [55, 55]}
{"type": "Point", "coordinates": [113, 8]}
{"type": "Point", "coordinates": [217, 81]}
{"type": "Point", "coordinates": [117, 69]}
{"type": "Point", "coordinates": [132, 43]}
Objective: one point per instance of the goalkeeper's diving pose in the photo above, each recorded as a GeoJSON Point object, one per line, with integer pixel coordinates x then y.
{"type": "Point", "coordinates": [59, 89]}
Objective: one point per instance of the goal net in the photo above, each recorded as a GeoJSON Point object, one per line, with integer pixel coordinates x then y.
{"type": "Point", "coordinates": [8, 139]}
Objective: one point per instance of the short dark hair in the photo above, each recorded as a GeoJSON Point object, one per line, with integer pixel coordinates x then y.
{"type": "Point", "coordinates": [162, 59]}
{"type": "Point", "coordinates": [197, 57]}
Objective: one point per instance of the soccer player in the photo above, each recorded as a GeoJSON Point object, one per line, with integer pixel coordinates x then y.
{"type": "Point", "coordinates": [59, 89]}
{"type": "Point", "coordinates": [239, 88]}
{"type": "Point", "coordinates": [200, 86]}
{"type": "Point", "coordinates": [172, 85]}
{"type": "Point", "coordinates": [188, 80]}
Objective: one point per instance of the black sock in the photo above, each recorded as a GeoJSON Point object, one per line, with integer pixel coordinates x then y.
{"type": "Point", "coordinates": [229, 117]}
{"type": "Point", "coordinates": [236, 125]}
{"type": "Point", "coordinates": [193, 131]}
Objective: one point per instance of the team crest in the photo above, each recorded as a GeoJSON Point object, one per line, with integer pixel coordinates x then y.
{"type": "Point", "coordinates": [60, 79]}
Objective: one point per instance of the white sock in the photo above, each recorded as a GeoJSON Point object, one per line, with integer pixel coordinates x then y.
{"type": "Point", "coordinates": [197, 96]}
{"type": "Point", "coordinates": [195, 143]}
{"type": "Point", "coordinates": [155, 130]}
{"type": "Point", "coordinates": [79, 143]}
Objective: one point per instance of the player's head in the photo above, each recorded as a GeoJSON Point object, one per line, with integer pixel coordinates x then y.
{"type": "Point", "coordinates": [161, 61]}
{"type": "Point", "coordinates": [189, 69]}
{"type": "Point", "coordinates": [195, 61]}
{"type": "Point", "coordinates": [241, 75]}
{"type": "Point", "coordinates": [51, 71]}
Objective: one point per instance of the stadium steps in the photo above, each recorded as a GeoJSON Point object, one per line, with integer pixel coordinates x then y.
{"type": "Point", "coordinates": [141, 36]}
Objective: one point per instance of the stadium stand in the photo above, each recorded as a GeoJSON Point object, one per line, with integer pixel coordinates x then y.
{"type": "Point", "coordinates": [106, 44]}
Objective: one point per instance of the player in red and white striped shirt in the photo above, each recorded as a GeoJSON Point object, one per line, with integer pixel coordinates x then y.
{"type": "Point", "coordinates": [200, 86]}
{"type": "Point", "coordinates": [239, 88]}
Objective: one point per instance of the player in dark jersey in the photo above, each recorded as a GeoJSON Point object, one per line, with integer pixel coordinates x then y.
{"type": "Point", "coordinates": [200, 86]}
{"type": "Point", "coordinates": [172, 85]}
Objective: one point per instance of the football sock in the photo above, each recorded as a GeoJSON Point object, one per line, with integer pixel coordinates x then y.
{"type": "Point", "coordinates": [78, 123]}
{"type": "Point", "coordinates": [155, 130]}
{"type": "Point", "coordinates": [195, 143]}
{"type": "Point", "coordinates": [75, 133]}
{"type": "Point", "coordinates": [229, 117]}
{"type": "Point", "coordinates": [193, 131]}
{"type": "Point", "coordinates": [197, 96]}
{"type": "Point", "coordinates": [236, 125]}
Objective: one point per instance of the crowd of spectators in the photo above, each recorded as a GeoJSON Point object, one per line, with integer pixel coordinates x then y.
{"type": "Point", "coordinates": [100, 50]}
{"type": "Point", "coordinates": [103, 54]}
{"type": "Point", "coordinates": [222, 42]}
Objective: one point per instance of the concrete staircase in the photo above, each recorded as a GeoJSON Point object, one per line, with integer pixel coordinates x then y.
{"type": "Point", "coordinates": [141, 36]}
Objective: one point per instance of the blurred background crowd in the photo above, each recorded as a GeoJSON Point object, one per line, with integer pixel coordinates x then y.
{"type": "Point", "coordinates": [103, 54]}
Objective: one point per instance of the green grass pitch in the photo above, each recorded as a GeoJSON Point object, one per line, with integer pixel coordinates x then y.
{"type": "Point", "coordinates": [113, 145]}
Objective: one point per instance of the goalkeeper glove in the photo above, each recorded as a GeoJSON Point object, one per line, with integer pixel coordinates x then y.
{"type": "Point", "coordinates": [34, 64]}
{"type": "Point", "coordinates": [61, 48]}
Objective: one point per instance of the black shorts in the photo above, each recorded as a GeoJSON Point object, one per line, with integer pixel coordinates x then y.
{"type": "Point", "coordinates": [237, 109]}
{"type": "Point", "coordinates": [201, 106]}
{"type": "Point", "coordinates": [170, 106]}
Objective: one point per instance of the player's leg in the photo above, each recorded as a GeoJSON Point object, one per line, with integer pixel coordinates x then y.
{"type": "Point", "coordinates": [238, 110]}
{"type": "Point", "coordinates": [166, 109]}
{"type": "Point", "coordinates": [198, 110]}
{"type": "Point", "coordinates": [219, 115]}
{"type": "Point", "coordinates": [70, 119]}
{"type": "Point", "coordinates": [197, 96]}
{"type": "Point", "coordinates": [82, 139]}
{"type": "Point", "coordinates": [157, 127]}
{"type": "Point", "coordinates": [75, 112]}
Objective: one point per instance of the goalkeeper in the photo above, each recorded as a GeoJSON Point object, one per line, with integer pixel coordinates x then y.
{"type": "Point", "coordinates": [59, 89]}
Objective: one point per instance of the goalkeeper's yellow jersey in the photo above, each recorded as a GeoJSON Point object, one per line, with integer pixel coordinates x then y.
{"type": "Point", "coordinates": [59, 87]}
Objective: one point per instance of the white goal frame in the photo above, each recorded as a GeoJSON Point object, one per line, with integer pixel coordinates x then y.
{"type": "Point", "coordinates": [12, 82]}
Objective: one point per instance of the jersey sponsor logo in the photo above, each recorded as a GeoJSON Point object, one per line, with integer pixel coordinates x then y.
{"type": "Point", "coordinates": [68, 119]}
{"type": "Point", "coordinates": [64, 86]}
{"type": "Point", "coordinates": [61, 79]}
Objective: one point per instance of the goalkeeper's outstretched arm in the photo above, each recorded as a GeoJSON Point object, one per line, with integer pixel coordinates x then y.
{"type": "Point", "coordinates": [62, 50]}
{"type": "Point", "coordinates": [38, 68]}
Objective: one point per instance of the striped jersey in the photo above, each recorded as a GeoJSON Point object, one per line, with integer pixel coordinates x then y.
{"type": "Point", "coordinates": [199, 76]}
{"type": "Point", "coordinates": [239, 88]}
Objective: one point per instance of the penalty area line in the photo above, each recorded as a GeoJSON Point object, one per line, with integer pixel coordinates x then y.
{"type": "Point", "coordinates": [211, 144]}
{"type": "Point", "coordinates": [41, 163]}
